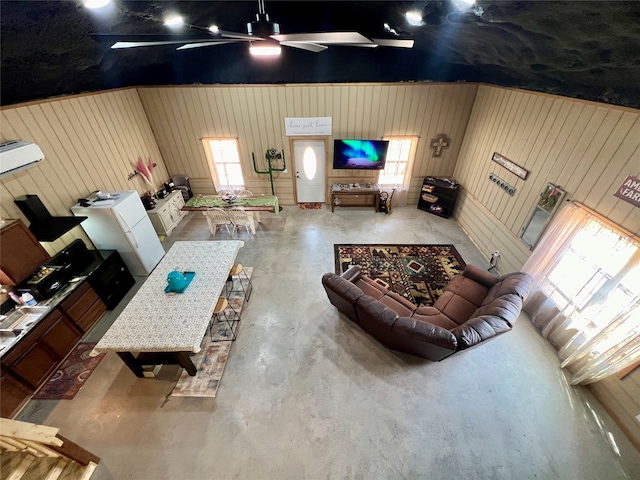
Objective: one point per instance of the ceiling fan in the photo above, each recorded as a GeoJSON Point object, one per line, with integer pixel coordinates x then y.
{"type": "Point", "coordinates": [263, 35]}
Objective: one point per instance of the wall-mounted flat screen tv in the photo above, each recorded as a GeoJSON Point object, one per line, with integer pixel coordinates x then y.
{"type": "Point", "coordinates": [359, 154]}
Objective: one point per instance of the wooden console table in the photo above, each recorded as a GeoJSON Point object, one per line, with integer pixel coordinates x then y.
{"type": "Point", "coordinates": [363, 196]}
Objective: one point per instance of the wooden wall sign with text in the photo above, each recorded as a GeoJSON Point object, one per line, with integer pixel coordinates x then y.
{"type": "Point", "coordinates": [509, 165]}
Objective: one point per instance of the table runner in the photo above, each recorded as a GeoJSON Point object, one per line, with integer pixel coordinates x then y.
{"type": "Point", "coordinates": [213, 201]}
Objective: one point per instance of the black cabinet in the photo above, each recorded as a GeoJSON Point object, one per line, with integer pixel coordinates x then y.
{"type": "Point", "coordinates": [438, 196]}
{"type": "Point", "coordinates": [112, 279]}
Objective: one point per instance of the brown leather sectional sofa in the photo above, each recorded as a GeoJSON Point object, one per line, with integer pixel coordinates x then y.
{"type": "Point", "coordinates": [474, 307]}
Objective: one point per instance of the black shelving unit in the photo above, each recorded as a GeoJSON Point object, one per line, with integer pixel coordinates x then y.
{"type": "Point", "coordinates": [438, 196]}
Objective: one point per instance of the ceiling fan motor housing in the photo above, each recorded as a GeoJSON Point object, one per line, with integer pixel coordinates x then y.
{"type": "Point", "coordinates": [262, 27]}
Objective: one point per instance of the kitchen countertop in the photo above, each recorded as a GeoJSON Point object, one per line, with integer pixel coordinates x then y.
{"type": "Point", "coordinates": [7, 341]}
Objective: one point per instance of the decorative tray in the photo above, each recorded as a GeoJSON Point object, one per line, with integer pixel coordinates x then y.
{"type": "Point", "coordinates": [189, 276]}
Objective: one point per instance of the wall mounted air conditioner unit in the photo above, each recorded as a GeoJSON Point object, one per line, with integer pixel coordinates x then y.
{"type": "Point", "coordinates": [17, 155]}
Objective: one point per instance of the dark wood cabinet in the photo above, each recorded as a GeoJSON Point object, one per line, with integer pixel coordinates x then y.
{"type": "Point", "coordinates": [62, 335]}
{"type": "Point", "coordinates": [84, 307]}
{"type": "Point", "coordinates": [39, 353]}
{"type": "Point", "coordinates": [438, 196]}
{"type": "Point", "coordinates": [21, 253]}
{"type": "Point", "coordinates": [14, 393]}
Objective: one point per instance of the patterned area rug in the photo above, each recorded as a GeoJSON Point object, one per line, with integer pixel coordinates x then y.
{"type": "Point", "coordinates": [310, 206]}
{"type": "Point", "coordinates": [417, 272]}
{"type": "Point", "coordinates": [67, 381]}
{"type": "Point", "coordinates": [212, 357]}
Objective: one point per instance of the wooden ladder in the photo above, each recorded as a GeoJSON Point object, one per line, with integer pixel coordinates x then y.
{"type": "Point", "coordinates": [29, 451]}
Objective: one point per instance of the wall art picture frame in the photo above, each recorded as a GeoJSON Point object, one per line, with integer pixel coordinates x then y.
{"type": "Point", "coordinates": [509, 165]}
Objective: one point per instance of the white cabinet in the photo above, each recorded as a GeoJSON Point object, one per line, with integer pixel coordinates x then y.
{"type": "Point", "coordinates": [168, 214]}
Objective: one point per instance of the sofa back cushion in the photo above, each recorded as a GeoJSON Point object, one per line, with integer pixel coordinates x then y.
{"type": "Point", "coordinates": [342, 294]}
{"type": "Point", "coordinates": [506, 307]}
{"type": "Point", "coordinates": [517, 283]}
{"type": "Point", "coordinates": [375, 317]}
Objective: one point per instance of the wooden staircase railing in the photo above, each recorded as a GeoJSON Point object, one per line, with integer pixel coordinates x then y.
{"type": "Point", "coordinates": [29, 451]}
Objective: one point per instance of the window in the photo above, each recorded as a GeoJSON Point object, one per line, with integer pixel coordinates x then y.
{"type": "Point", "coordinates": [224, 154]}
{"type": "Point", "coordinates": [596, 278]}
{"type": "Point", "coordinates": [586, 293]}
{"type": "Point", "coordinates": [397, 170]}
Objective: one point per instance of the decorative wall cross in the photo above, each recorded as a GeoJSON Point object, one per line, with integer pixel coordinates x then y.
{"type": "Point", "coordinates": [437, 144]}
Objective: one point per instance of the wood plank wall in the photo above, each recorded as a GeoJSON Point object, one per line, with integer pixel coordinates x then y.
{"type": "Point", "coordinates": [586, 148]}
{"type": "Point", "coordinates": [181, 116]}
{"type": "Point", "coordinates": [89, 142]}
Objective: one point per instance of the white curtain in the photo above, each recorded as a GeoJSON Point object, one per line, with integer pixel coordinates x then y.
{"type": "Point", "coordinates": [586, 294]}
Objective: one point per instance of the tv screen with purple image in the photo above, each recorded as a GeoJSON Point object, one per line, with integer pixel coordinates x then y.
{"type": "Point", "coordinates": [359, 154]}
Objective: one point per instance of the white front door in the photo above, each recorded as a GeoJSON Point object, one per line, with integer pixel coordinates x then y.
{"type": "Point", "coordinates": [309, 159]}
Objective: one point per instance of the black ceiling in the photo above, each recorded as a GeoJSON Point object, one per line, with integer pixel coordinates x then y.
{"type": "Point", "coordinates": [583, 49]}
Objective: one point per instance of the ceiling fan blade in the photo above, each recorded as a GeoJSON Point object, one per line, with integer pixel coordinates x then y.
{"type": "Point", "coordinates": [205, 44]}
{"type": "Point", "coordinates": [241, 36]}
{"type": "Point", "coordinates": [119, 45]}
{"type": "Point", "coordinates": [324, 38]}
{"type": "Point", "coordinates": [108, 38]}
{"type": "Point", "coordinates": [393, 42]}
{"type": "Point", "coordinates": [312, 47]}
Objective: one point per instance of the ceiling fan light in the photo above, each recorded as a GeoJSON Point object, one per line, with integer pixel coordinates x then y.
{"type": "Point", "coordinates": [214, 29]}
{"type": "Point", "coordinates": [258, 50]}
{"type": "Point", "coordinates": [174, 21]}
{"type": "Point", "coordinates": [414, 18]}
{"type": "Point", "coordinates": [95, 4]}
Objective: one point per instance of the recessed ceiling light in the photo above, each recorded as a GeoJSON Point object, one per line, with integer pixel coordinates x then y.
{"type": "Point", "coordinates": [174, 21]}
{"type": "Point", "coordinates": [93, 4]}
{"type": "Point", "coordinates": [414, 18]}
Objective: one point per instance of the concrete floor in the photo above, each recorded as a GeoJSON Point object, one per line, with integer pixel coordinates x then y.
{"type": "Point", "coordinates": [306, 394]}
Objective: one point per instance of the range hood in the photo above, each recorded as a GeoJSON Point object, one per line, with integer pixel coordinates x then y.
{"type": "Point", "coordinates": [44, 226]}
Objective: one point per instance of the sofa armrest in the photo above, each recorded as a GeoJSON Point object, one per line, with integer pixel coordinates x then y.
{"type": "Point", "coordinates": [425, 332]}
{"type": "Point", "coordinates": [479, 329]}
{"type": "Point", "coordinates": [478, 275]}
{"type": "Point", "coordinates": [353, 273]}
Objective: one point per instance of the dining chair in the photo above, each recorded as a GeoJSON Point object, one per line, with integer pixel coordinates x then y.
{"type": "Point", "coordinates": [244, 193]}
{"type": "Point", "coordinates": [217, 217]}
{"type": "Point", "coordinates": [220, 309]}
{"type": "Point", "coordinates": [240, 218]}
{"type": "Point", "coordinates": [234, 274]}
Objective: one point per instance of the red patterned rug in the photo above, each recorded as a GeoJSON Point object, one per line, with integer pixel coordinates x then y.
{"type": "Point", "coordinates": [310, 206]}
{"type": "Point", "coordinates": [70, 377]}
{"type": "Point", "coordinates": [417, 272]}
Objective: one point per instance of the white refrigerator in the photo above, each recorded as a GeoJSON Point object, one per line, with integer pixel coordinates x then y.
{"type": "Point", "coordinates": [121, 223]}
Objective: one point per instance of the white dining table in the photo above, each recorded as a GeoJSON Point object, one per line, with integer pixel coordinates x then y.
{"type": "Point", "coordinates": [158, 328]}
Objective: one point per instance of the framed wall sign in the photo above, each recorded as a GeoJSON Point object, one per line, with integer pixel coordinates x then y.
{"type": "Point", "coordinates": [509, 165]}
{"type": "Point", "coordinates": [307, 126]}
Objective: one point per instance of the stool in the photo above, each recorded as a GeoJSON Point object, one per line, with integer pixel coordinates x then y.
{"type": "Point", "coordinates": [220, 308]}
{"type": "Point", "coordinates": [235, 272]}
